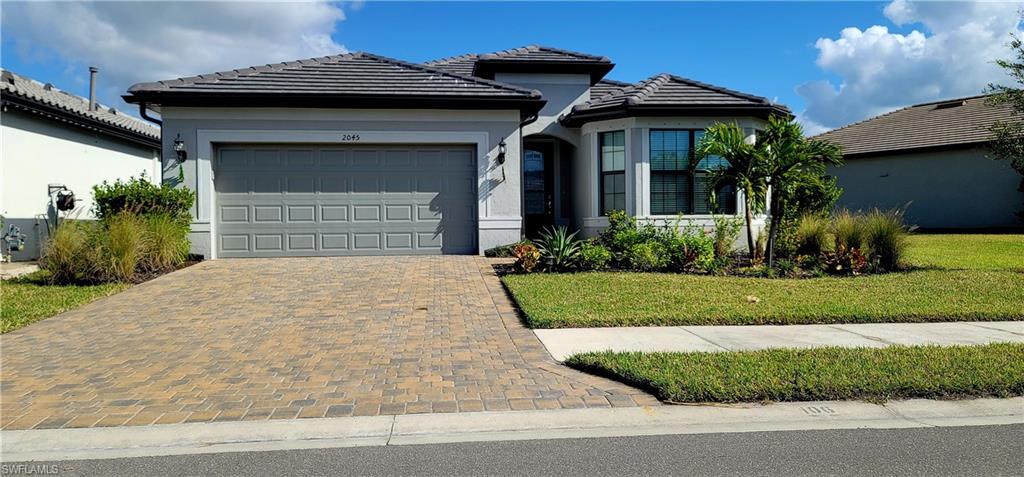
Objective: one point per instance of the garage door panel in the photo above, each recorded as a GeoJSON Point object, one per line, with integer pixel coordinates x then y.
{"type": "Point", "coordinates": [362, 200]}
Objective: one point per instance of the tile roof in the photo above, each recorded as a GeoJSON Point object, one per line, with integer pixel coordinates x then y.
{"type": "Point", "coordinates": [531, 58]}
{"type": "Point", "coordinates": [668, 93]}
{"type": "Point", "coordinates": [955, 122]}
{"type": "Point", "coordinates": [606, 86]}
{"type": "Point", "coordinates": [351, 75]}
{"type": "Point", "coordinates": [14, 85]}
{"type": "Point", "coordinates": [543, 54]}
{"type": "Point", "coordinates": [462, 64]}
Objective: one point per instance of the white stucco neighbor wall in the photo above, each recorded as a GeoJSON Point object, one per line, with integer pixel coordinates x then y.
{"type": "Point", "coordinates": [638, 171]}
{"type": "Point", "coordinates": [945, 189]}
{"type": "Point", "coordinates": [35, 152]}
{"type": "Point", "coordinates": [498, 186]}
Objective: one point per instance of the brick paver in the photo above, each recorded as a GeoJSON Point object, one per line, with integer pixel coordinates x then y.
{"type": "Point", "coordinates": [290, 338]}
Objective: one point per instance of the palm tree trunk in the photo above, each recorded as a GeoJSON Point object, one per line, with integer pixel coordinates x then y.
{"type": "Point", "coordinates": [773, 230]}
{"type": "Point", "coordinates": [749, 213]}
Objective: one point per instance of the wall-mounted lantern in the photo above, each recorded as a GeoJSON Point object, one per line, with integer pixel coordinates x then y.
{"type": "Point", "coordinates": [501, 151]}
{"type": "Point", "coordinates": [179, 148]}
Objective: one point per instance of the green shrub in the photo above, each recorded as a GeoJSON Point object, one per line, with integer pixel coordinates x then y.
{"type": "Point", "coordinates": [886, 237]}
{"type": "Point", "coordinates": [124, 245]}
{"type": "Point", "coordinates": [812, 235]}
{"type": "Point", "coordinates": [559, 249]}
{"type": "Point", "coordinates": [527, 256]}
{"type": "Point", "coordinates": [848, 232]}
{"type": "Point", "coordinates": [71, 253]}
{"type": "Point", "coordinates": [727, 230]}
{"type": "Point", "coordinates": [689, 250]}
{"type": "Point", "coordinates": [594, 256]}
{"type": "Point", "coordinates": [140, 196]}
{"type": "Point", "coordinates": [166, 244]}
{"type": "Point", "coordinates": [647, 256]}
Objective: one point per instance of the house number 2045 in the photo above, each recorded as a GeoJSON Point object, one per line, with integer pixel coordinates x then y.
{"type": "Point", "coordinates": [349, 137]}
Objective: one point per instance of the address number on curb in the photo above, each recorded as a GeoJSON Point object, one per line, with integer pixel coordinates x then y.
{"type": "Point", "coordinates": [349, 137]}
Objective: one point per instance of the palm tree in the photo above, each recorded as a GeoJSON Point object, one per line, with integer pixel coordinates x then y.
{"type": "Point", "coordinates": [787, 157]}
{"type": "Point", "coordinates": [745, 170]}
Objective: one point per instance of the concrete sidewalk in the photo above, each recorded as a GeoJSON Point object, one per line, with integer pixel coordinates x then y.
{"type": "Point", "coordinates": [217, 437]}
{"type": "Point", "coordinates": [565, 342]}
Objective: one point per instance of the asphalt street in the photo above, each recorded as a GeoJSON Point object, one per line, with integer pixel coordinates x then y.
{"type": "Point", "coordinates": [987, 450]}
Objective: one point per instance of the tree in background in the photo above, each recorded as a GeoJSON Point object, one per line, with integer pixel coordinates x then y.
{"type": "Point", "coordinates": [790, 160]}
{"type": "Point", "coordinates": [728, 141]}
{"type": "Point", "coordinates": [1008, 136]}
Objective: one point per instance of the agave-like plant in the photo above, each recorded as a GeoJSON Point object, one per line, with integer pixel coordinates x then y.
{"type": "Point", "coordinates": [559, 249]}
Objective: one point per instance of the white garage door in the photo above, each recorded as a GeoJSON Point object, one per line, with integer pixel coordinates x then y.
{"type": "Point", "coordinates": [275, 201]}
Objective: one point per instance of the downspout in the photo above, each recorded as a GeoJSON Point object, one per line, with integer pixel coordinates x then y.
{"type": "Point", "coordinates": [147, 117]}
{"type": "Point", "coordinates": [522, 197]}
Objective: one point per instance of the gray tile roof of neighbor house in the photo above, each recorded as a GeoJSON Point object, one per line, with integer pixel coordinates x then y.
{"type": "Point", "coordinates": [24, 93]}
{"type": "Point", "coordinates": [666, 94]}
{"type": "Point", "coordinates": [960, 122]}
{"type": "Point", "coordinates": [348, 80]}
{"type": "Point", "coordinates": [527, 59]}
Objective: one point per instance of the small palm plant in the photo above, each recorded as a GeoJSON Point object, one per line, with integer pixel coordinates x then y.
{"type": "Point", "coordinates": [559, 249]}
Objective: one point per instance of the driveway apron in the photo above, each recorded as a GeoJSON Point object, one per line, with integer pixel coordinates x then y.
{"type": "Point", "coordinates": [288, 338]}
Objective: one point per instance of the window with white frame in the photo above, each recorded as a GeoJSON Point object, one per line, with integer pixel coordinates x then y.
{"type": "Point", "coordinates": [612, 183]}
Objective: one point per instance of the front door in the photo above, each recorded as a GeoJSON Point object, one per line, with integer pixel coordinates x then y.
{"type": "Point", "coordinates": [538, 187]}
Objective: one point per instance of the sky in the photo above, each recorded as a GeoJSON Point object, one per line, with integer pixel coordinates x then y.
{"type": "Point", "coordinates": [832, 63]}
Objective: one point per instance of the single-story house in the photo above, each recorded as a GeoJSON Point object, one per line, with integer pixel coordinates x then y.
{"type": "Point", "coordinates": [52, 137]}
{"type": "Point", "coordinates": [359, 154]}
{"type": "Point", "coordinates": [932, 156]}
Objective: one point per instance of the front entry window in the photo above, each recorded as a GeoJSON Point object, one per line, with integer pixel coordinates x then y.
{"type": "Point", "coordinates": [533, 186]}
{"type": "Point", "coordinates": [613, 171]}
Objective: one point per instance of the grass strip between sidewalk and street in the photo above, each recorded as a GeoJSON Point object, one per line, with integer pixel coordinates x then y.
{"type": "Point", "coordinates": [874, 374]}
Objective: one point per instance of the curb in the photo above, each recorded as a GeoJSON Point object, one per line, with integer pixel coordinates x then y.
{"type": "Point", "coordinates": [410, 429]}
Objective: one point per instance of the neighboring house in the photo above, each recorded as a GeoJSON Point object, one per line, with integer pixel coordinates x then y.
{"type": "Point", "coordinates": [49, 136]}
{"type": "Point", "coordinates": [931, 156]}
{"type": "Point", "coordinates": [359, 154]}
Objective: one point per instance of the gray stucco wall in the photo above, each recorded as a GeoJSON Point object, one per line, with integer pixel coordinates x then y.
{"type": "Point", "coordinates": [498, 186]}
{"type": "Point", "coordinates": [946, 189]}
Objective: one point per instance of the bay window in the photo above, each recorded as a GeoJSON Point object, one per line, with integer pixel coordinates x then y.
{"type": "Point", "coordinates": [679, 183]}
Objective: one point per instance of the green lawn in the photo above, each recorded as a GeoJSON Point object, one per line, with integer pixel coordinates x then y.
{"type": "Point", "coordinates": [28, 299]}
{"type": "Point", "coordinates": [819, 374]}
{"type": "Point", "coordinates": [961, 277]}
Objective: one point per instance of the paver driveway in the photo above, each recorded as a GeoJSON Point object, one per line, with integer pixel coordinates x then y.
{"type": "Point", "coordinates": [286, 338]}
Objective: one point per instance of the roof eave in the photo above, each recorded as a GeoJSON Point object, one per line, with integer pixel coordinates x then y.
{"type": "Point", "coordinates": [578, 118]}
{"type": "Point", "coordinates": [526, 105]}
{"type": "Point", "coordinates": [486, 68]}
{"type": "Point", "coordinates": [60, 114]}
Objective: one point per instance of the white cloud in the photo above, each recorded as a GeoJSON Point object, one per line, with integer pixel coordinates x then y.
{"type": "Point", "coordinates": [148, 41]}
{"type": "Point", "coordinates": [881, 70]}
